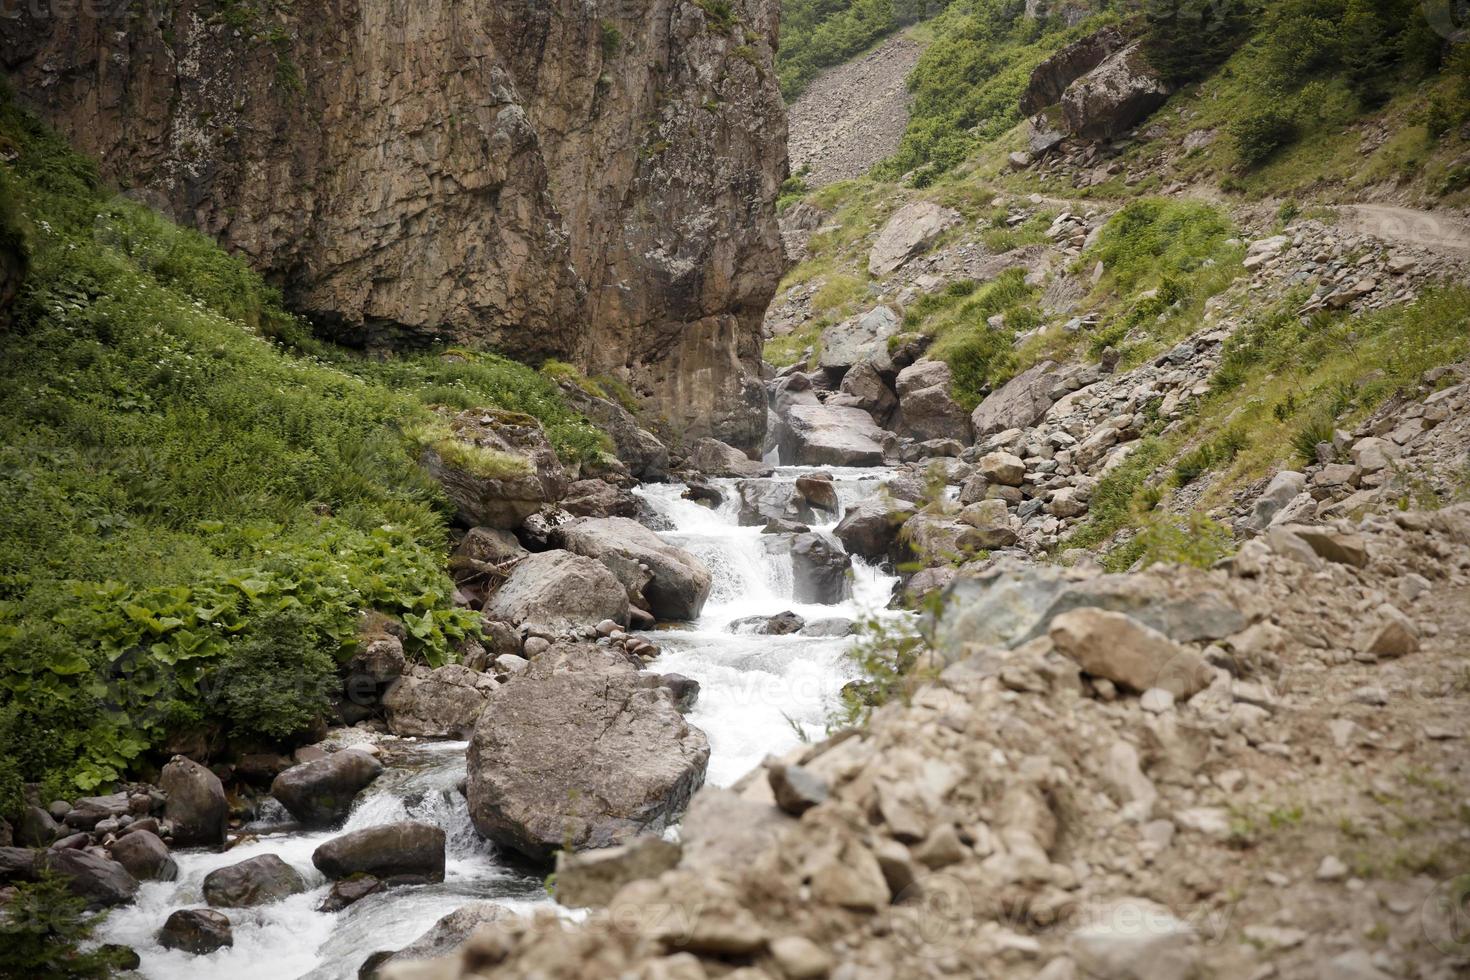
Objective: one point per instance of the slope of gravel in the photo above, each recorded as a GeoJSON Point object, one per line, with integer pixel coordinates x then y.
{"type": "Point", "coordinates": [854, 114]}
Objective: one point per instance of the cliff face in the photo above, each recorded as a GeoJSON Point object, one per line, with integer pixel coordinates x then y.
{"type": "Point", "coordinates": [593, 181]}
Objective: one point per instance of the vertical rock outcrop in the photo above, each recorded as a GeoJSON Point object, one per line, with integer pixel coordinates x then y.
{"type": "Point", "coordinates": [592, 181]}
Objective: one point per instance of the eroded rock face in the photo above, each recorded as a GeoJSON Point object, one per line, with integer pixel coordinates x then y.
{"type": "Point", "coordinates": [576, 752]}
{"type": "Point", "coordinates": [516, 175]}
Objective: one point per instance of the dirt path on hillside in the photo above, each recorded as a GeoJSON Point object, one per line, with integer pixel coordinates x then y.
{"type": "Point", "coordinates": [853, 114]}
{"type": "Point", "coordinates": [1429, 229]}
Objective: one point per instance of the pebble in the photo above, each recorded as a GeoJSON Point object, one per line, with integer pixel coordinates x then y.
{"type": "Point", "coordinates": [1331, 869]}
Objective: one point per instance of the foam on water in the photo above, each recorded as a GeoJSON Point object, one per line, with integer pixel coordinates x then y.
{"type": "Point", "coordinates": [759, 695]}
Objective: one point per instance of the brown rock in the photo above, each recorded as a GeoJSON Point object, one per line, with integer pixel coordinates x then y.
{"type": "Point", "coordinates": [1121, 649]}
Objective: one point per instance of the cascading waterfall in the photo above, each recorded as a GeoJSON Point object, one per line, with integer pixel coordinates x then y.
{"type": "Point", "coordinates": [759, 695]}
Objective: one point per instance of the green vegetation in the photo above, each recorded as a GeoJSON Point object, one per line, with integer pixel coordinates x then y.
{"type": "Point", "coordinates": [817, 34]}
{"type": "Point", "coordinates": [41, 932]}
{"type": "Point", "coordinates": [197, 500]}
{"type": "Point", "coordinates": [1162, 260]}
{"type": "Point", "coordinates": [968, 82]}
{"type": "Point", "coordinates": [980, 355]}
{"type": "Point", "coordinates": [719, 14]}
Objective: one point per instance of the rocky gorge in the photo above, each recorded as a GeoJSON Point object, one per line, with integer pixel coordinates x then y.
{"type": "Point", "coordinates": [1061, 575]}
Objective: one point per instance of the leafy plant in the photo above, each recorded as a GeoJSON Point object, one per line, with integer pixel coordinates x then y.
{"type": "Point", "coordinates": [43, 931]}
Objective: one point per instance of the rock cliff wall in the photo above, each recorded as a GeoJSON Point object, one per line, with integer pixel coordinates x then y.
{"type": "Point", "coordinates": [588, 180]}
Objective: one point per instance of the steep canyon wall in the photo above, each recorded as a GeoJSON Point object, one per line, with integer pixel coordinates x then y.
{"type": "Point", "coordinates": [594, 181]}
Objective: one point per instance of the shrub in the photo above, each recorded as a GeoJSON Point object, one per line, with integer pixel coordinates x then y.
{"type": "Point", "coordinates": [277, 681]}
{"type": "Point", "coordinates": [43, 931]}
{"type": "Point", "coordinates": [1184, 39]}
{"type": "Point", "coordinates": [1258, 135]}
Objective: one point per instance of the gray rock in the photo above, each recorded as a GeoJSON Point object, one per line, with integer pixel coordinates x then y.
{"type": "Point", "coordinates": [530, 477]}
{"type": "Point", "coordinates": [1018, 404]}
{"type": "Point", "coordinates": [675, 584]}
{"type": "Point", "coordinates": [869, 391]}
{"type": "Point", "coordinates": [763, 501]}
{"type": "Point", "coordinates": [578, 752]}
{"type": "Point", "coordinates": [870, 527]}
{"type": "Point", "coordinates": [102, 882]}
{"type": "Point", "coordinates": [856, 338]}
{"type": "Point", "coordinates": [406, 850]}
{"type": "Point", "coordinates": [442, 938]}
{"type": "Point", "coordinates": [254, 881]}
{"type": "Point", "coordinates": [714, 458]}
{"type": "Point", "coordinates": [558, 590]}
{"type": "Point", "coordinates": [197, 931]}
{"type": "Point", "coordinates": [1110, 99]}
{"type": "Point", "coordinates": [36, 828]}
{"type": "Point", "coordinates": [321, 793]}
{"type": "Point", "coordinates": [820, 569]}
{"type": "Point", "coordinates": [1051, 78]}
{"type": "Point", "coordinates": [348, 891]}
{"type": "Point", "coordinates": [832, 626]}
{"type": "Point", "coordinates": [196, 805]}
{"type": "Point", "coordinates": [145, 856]}
{"type": "Point", "coordinates": [1121, 649]}
{"type": "Point", "coordinates": [911, 230]}
{"type": "Point", "coordinates": [797, 790]}
{"type": "Point", "coordinates": [821, 435]}
{"type": "Point", "coordinates": [1284, 486]}
{"type": "Point", "coordinates": [441, 703]}
{"type": "Point", "coordinates": [378, 660]}
{"type": "Point", "coordinates": [590, 879]}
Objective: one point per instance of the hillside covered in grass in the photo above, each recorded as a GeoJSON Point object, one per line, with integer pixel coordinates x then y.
{"type": "Point", "coordinates": [197, 500]}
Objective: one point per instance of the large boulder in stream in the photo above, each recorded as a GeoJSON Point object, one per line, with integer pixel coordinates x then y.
{"type": "Point", "coordinates": [715, 458]}
{"type": "Point", "coordinates": [579, 752]}
{"type": "Point", "coordinates": [870, 527]}
{"type": "Point", "coordinates": [827, 435]}
{"type": "Point", "coordinates": [196, 803]}
{"type": "Point", "coordinates": [558, 590]}
{"type": "Point", "coordinates": [197, 931]}
{"type": "Point", "coordinates": [321, 792]}
{"type": "Point", "coordinates": [254, 881]}
{"type": "Point", "coordinates": [396, 852]}
{"type": "Point", "coordinates": [145, 855]}
{"type": "Point", "coordinates": [673, 583]}
{"type": "Point", "coordinates": [820, 569]}
{"type": "Point", "coordinates": [763, 501]}
{"type": "Point", "coordinates": [99, 881]}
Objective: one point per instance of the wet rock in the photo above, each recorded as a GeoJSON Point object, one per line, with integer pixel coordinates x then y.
{"type": "Point", "coordinates": [578, 751]}
{"type": "Point", "coordinates": [685, 690]}
{"type": "Point", "coordinates": [797, 790]}
{"type": "Point", "coordinates": [818, 490]}
{"type": "Point", "coordinates": [444, 937]}
{"type": "Point", "coordinates": [102, 882]}
{"type": "Point", "coordinates": [831, 626]}
{"type": "Point", "coordinates": [911, 230]}
{"type": "Point", "coordinates": [676, 584]}
{"type": "Point", "coordinates": [198, 931]}
{"type": "Point", "coordinates": [870, 527]}
{"type": "Point", "coordinates": [590, 879]}
{"type": "Point", "coordinates": [508, 472]}
{"type": "Point", "coordinates": [18, 864]}
{"type": "Point", "coordinates": [405, 849]}
{"type": "Point", "coordinates": [763, 501]}
{"type": "Point", "coordinates": [349, 890]}
{"type": "Point", "coordinates": [254, 881]}
{"type": "Point", "coordinates": [820, 569]}
{"type": "Point", "coordinates": [196, 805]}
{"type": "Point", "coordinates": [145, 856]}
{"type": "Point", "coordinates": [321, 793]}
{"type": "Point", "coordinates": [778, 625]}
{"type": "Point", "coordinates": [704, 493]}
{"type": "Point", "coordinates": [442, 703]}
{"type": "Point", "coordinates": [714, 458]}
{"type": "Point", "coordinates": [1125, 651]}
{"type": "Point", "coordinates": [557, 590]}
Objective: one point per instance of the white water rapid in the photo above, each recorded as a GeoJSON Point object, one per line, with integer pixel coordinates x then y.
{"type": "Point", "coordinates": [759, 695]}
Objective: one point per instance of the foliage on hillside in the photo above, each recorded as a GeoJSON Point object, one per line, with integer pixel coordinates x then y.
{"type": "Point", "coordinates": [968, 82]}
{"type": "Point", "coordinates": [817, 34]}
{"type": "Point", "coordinates": [192, 514]}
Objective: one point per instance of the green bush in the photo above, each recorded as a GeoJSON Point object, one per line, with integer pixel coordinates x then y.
{"type": "Point", "coordinates": [1258, 135]}
{"type": "Point", "coordinates": [1184, 39]}
{"type": "Point", "coordinates": [43, 930]}
{"type": "Point", "coordinates": [979, 355]}
{"type": "Point", "coordinates": [195, 494]}
{"type": "Point", "coordinates": [816, 34]}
